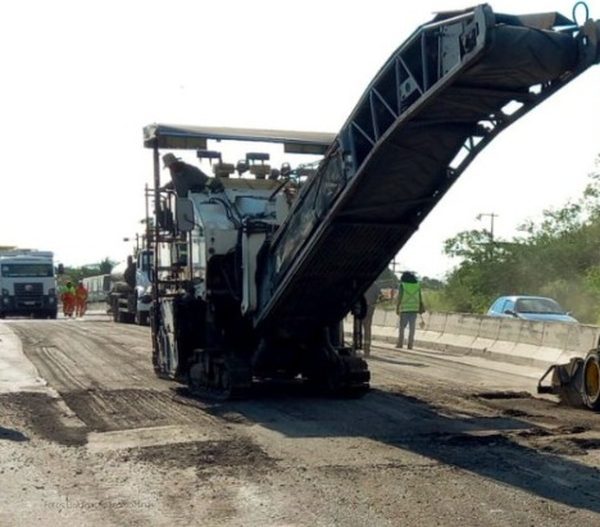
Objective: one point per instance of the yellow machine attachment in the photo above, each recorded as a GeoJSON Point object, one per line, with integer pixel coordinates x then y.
{"type": "Point", "coordinates": [576, 383]}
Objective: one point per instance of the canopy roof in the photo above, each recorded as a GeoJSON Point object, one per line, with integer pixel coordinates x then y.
{"type": "Point", "coordinates": [195, 137]}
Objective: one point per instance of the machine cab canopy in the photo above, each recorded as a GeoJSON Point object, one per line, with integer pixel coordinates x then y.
{"type": "Point", "coordinates": [195, 137]}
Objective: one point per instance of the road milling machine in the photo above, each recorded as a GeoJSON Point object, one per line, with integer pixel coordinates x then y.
{"type": "Point", "coordinates": [256, 268]}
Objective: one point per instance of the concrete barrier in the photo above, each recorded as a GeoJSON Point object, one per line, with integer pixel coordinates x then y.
{"type": "Point", "coordinates": [489, 330]}
{"type": "Point", "coordinates": [379, 318]}
{"type": "Point", "coordinates": [433, 331]}
{"type": "Point", "coordinates": [580, 340]}
{"type": "Point", "coordinates": [460, 332]}
{"type": "Point", "coordinates": [530, 348]}
{"type": "Point", "coordinates": [520, 342]}
{"type": "Point", "coordinates": [390, 319]}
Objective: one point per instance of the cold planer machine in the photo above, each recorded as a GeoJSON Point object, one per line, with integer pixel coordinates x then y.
{"type": "Point", "coordinates": [270, 286]}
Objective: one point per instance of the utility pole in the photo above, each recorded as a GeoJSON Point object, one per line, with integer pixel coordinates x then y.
{"type": "Point", "coordinates": [394, 265]}
{"type": "Point", "coordinates": [491, 215]}
{"type": "Point", "coordinates": [137, 242]}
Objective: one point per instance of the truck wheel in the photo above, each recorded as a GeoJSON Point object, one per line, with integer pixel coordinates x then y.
{"type": "Point", "coordinates": [142, 318]}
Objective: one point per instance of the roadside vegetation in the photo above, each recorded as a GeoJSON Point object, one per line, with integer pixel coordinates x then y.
{"type": "Point", "coordinates": [559, 257]}
{"type": "Point", "coordinates": [75, 274]}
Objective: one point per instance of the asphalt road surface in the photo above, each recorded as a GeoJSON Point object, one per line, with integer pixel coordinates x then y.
{"type": "Point", "coordinates": [435, 442]}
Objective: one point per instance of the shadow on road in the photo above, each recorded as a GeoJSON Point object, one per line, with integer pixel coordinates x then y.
{"type": "Point", "coordinates": [486, 446]}
{"type": "Point", "coordinates": [12, 435]}
{"type": "Point", "coordinates": [398, 362]}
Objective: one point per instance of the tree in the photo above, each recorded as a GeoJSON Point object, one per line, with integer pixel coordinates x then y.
{"type": "Point", "coordinates": [558, 257]}
{"type": "Point", "coordinates": [432, 283]}
{"type": "Point", "coordinates": [105, 266]}
{"type": "Point", "coordinates": [76, 274]}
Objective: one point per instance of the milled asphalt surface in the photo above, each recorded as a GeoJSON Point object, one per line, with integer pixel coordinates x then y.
{"type": "Point", "coordinates": [439, 440]}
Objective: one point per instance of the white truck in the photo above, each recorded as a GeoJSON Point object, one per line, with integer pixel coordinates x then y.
{"type": "Point", "coordinates": [27, 284]}
{"type": "Point", "coordinates": [98, 287]}
{"type": "Point", "coordinates": [130, 294]}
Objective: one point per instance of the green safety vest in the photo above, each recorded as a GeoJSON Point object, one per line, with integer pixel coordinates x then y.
{"type": "Point", "coordinates": [411, 297]}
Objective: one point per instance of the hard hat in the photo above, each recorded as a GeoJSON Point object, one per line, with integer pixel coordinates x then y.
{"type": "Point", "coordinates": [169, 159]}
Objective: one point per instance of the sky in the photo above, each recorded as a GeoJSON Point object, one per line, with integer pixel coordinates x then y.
{"type": "Point", "coordinates": [81, 80]}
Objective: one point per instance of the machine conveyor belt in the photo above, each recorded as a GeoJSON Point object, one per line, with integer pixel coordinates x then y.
{"type": "Point", "coordinates": [436, 103]}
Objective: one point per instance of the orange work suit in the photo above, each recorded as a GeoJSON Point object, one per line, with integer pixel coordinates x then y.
{"type": "Point", "coordinates": [68, 301]}
{"type": "Point", "coordinates": [81, 295]}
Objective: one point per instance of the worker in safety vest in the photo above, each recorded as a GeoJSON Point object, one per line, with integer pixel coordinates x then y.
{"type": "Point", "coordinates": [409, 305]}
{"type": "Point", "coordinates": [68, 299]}
{"type": "Point", "coordinates": [81, 296]}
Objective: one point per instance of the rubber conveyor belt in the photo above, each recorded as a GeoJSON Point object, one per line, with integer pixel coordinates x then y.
{"type": "Point", "coordinates": [435, 104]}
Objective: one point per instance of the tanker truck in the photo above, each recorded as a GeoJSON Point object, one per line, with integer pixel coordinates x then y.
{"type": "Point", "coordinates": [129, 298]}
{"type": "Point", "coordinates": [267, 281]}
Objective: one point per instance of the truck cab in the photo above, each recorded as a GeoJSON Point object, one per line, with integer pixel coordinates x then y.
{"type": "Point", "coordinates": [27, 284]}
{"type": "Point", "coordinates": [130, 295]}
{"type": "Point", "coordinates": [143, 286]}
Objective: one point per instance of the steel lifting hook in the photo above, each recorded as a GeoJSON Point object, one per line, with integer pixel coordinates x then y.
{"type": "Point", "coordinates": [587, 12]}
